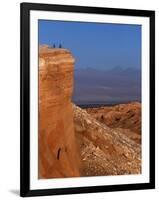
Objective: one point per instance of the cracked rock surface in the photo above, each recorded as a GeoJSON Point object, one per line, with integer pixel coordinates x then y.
{"type": "Point", "coordinates": [104, 150]}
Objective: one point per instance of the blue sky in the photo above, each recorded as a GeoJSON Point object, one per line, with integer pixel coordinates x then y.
{"type": "Point", "coordinates": [107, 58]}
{"type": "Point", "coordinates": [95, 45]}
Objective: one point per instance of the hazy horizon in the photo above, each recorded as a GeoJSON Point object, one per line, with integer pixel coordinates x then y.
{"type": "Point", "coordinates": [107, 58]}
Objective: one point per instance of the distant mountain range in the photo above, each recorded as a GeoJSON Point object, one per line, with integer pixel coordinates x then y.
{"type": "Point", "coordinates": [106, 86]}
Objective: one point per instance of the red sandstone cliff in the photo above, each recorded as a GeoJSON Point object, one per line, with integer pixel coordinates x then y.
{"type": "Point", "coordinates": [104, 149]}
{"type": "Point", "coordinates": [58, 155]}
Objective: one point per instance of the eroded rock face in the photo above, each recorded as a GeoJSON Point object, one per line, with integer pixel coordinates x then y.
{"type": "Point", "coordinates": [76, 142]}
{"type": "Point", "coordinates": [124, 117]}
{"type": "Point", "coordinates": [104, 150]}
{"type": "Point", "coordinates": [58, 155]}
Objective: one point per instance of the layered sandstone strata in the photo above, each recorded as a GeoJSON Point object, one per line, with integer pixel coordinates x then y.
{"type": "Point", "coordinates": [108, 137]}
{"type": "Point", "coordinates": [58, 155]}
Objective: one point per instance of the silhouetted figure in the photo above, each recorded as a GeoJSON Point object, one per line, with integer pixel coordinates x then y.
{"type": "Point", "coordinates": [60, 46]}
{"type": "Point", "coordinates": [54, 46]}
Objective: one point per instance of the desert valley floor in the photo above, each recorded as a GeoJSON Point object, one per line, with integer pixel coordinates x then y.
{"type": "Point", "coordinates": [109, 139]}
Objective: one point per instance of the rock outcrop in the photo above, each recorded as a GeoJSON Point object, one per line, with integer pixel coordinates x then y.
{"type": "Point", "coordinates": [123, 117]}
{"type": "Point", "coordinates": [104, 150]}
{"type": "Point", "coordinates": [58, 154]}
{"type": "Point", "coordinates": [74, 142]}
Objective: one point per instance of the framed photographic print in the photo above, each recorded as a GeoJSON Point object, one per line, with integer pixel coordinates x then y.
{"type": "Point", "coordinates": [87, 99]}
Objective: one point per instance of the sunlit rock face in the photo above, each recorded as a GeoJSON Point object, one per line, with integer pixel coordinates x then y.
{"type": "Point", "coordinates": [58, 154]}
{"type": "Point", "coordinates": [82, 142]}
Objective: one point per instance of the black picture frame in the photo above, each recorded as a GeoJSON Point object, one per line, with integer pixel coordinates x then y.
{"type": "Point", "coordinates": [25, 9]}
